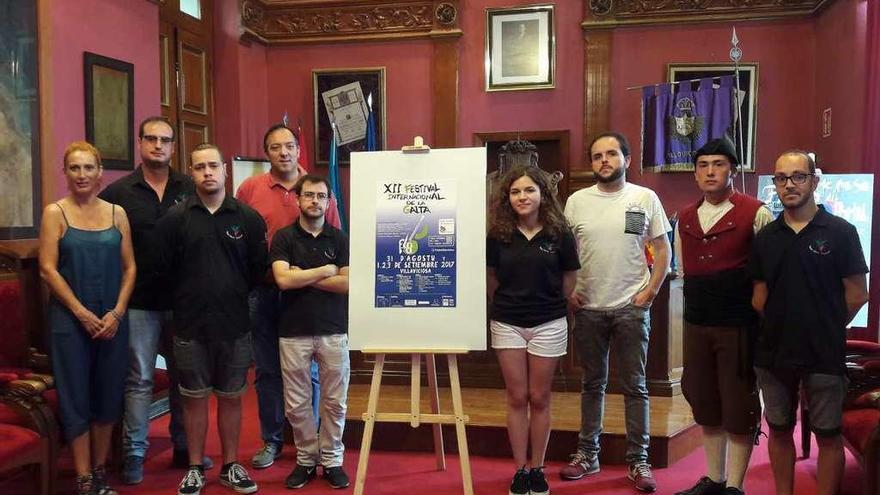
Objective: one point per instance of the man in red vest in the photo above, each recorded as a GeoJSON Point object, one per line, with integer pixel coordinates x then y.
{"type": "Point", "coordinates": [713, 240]}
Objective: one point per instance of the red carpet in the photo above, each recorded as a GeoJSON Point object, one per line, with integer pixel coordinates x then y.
{"type": "Point", "coordinates": [405, 473]}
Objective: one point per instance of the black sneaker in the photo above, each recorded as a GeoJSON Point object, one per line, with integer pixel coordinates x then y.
{"type": "Point", "coordinates": [336, 477]}
{"type": "Point", "coordinates": [300, 476]}
{"type": "Point", "coordinates": [235, 476]}
{"type": "Point", "coordinates": [730, 490]}
{"type": "Point", "coordinates": [705, 487]}
{"type": "Point", "coordinates": [537, 482]}
{"type": "Point", "coordinates": [192, 482]}
{"type": "Point", "coordinates": [99, 482]}
{"type": "Point", "coordinates": [520, 483]}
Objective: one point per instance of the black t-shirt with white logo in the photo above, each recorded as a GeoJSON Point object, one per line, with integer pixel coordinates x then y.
{"type": "Point", "coordinates": [529, 274]}
{"type": "Point", "coordinates": [212, 261]}
{"type": "Point", "coordinates": [310, 311]}
{"type": "Point", "coordinates": [804, 322]}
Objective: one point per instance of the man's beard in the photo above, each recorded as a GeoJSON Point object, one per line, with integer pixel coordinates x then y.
{"type": "Point", "coordinates": [150, 163]}
{"type": "Point", "coordinates": [618, 173]}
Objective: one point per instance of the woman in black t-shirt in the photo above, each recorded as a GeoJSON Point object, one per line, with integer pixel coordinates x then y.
{"type": "Point", "coordinates": [532, 266]}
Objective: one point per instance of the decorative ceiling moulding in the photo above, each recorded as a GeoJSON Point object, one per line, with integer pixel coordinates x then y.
{"type": "Point", "coordinates": [616, 13]}
{"type": "Point", "coordinates": [286, 22]}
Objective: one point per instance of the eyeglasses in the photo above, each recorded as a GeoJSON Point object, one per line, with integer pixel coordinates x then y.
{"type": "Point", "coordinates": [154, 139]}
{"type": "Point", "coordinates": [796, 178]}
{"type": "Point", "coordinates": [312, 195]}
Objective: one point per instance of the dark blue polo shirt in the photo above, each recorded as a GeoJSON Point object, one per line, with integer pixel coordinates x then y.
{"type": "Point", "coordinates": [529, 274]}
{"type": "Point", "coordinates": [143, 208]}
{"type": "Point", "coordinates": [213, 261]}
{"type": "Point", "coordinates": [309, 311]}
{"type": "Point", "coordinates": [805, 317]}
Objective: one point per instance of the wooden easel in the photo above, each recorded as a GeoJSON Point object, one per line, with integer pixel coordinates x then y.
{"type": "Point", "coordinates": [415, 417]}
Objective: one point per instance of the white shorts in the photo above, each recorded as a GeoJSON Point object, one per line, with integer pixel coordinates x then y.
{"type": "Point", "coordinates": [548, 339]}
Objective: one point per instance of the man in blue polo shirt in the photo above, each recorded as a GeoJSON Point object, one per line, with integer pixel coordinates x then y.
{"type": "Point", "coordinates": [809, 282]}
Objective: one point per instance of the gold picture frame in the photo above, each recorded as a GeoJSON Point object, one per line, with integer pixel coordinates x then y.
{"type": "Point", "coordinates": [520, 48]}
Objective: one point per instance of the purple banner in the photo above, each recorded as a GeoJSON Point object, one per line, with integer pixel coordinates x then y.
{"type": "Point", "coordinates": [676, 124]}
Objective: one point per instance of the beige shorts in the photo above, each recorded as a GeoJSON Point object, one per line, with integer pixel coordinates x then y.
{"type": "Point", "coordinates": [548, 339]}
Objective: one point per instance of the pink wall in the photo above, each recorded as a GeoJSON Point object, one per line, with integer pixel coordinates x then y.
{"type": "Point", "coordinates": [240, 85]}
{"type": "Point", "coordinates": [126, 31]}
{"type": "Point", "coordinates": [408, 83]}
{"type": "Point", "coordinates": [535, 110]}
{"type": "Point", "coordinates": [408, 86]}
{"type": "Point", "coordinates": [785, 88]}
{"type": "Point", "coordinates": [840, 85]}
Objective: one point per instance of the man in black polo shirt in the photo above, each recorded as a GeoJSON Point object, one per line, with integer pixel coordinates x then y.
{"type": "Point", "coordinates": [146, 194]}
{"type": "Point", "coordinates": [214, 249]}
{"type": "Point", "coordinates": [809, 282]}
{"type": "Point", "coordinates": [310, 265]}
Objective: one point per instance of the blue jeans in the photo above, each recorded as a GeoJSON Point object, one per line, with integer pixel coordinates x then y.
{"type": "Point", "coordinates": [145, 334]}
{"type": "Point", "coordinates": [628, 328]}
{"type": "Point", "coordinates": [265, 310]}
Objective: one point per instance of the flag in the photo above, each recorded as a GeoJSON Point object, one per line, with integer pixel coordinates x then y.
{"type": "Point", "coordinates": [335, 184]}
{"type": "Point", "coordinates": [676, 124]}
{"type": "Point", "coordinates": [371, 125]}
{"type": "Point", "coordinates": [303, 151]}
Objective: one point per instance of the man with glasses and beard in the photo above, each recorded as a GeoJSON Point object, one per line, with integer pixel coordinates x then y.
{"type": "Point", "coordinates": [809, 281]}
{"type": "Point", "coordinates": [146, 195]}
{"type": "Point", "coordinates": [310, 264]}
{"type": "Point", "coordinates": [613, 222]}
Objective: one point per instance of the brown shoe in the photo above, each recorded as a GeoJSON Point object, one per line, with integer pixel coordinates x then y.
{"type": "Point", "coordinates": [579, 466]}
{"type": "Point", "coordinates": [640, 475]}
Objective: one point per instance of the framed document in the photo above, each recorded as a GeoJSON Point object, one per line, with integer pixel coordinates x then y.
{"type": "Point", "coordinates": [341, 95]}
{"type": "Point", "coordinates": [520, 48]}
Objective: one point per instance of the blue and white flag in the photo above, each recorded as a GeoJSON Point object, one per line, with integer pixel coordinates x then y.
{"type": "Point", "coordinates": [335, 184]}
{"type": "Point", "coordinates": [370, 144]}
{"type": "Point", "coordinates": [676, 124]}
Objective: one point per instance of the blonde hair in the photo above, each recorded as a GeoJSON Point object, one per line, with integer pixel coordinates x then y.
{"type": "Point", "coordinates": [85, 147]}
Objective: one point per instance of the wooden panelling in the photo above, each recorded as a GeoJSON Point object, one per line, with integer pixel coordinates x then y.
{"type": "Point", "coordinates": [321, 21]}
{"type": "Point", "coordinates": [673, 431]}
{"type": "Point", "coordinates": [608, 13]}
{"type": "Point", "coordinates": [192, 134]}
{"type": "Point", "coordinates": [445, 88]}
{"type": "Point", "coordinates": [597, 89]}
{"type": "Point", "coordinates": [193, 78]}
{"type": "Point", "coordinates": [166, 70]}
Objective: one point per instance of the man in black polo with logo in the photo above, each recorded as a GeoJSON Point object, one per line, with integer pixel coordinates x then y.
{"type": "Point", "coordinates": [214, 249]}
{"type": "Point", "coordinates": [310, 266]}
{"type": "Point", "coordinates": [146, 195]}
{"type": "Point", "coordinates": [809, 282]}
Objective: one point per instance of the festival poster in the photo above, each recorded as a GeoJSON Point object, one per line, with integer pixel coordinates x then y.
{"type": "Point", "coordinates": [416, 244]}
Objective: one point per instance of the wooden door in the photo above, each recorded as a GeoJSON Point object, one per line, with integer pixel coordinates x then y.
{"type": "Point", "coordinates": [186, 60]}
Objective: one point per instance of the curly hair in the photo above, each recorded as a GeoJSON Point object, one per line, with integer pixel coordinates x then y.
{"type": "Point", "coordinates": [503, 220]}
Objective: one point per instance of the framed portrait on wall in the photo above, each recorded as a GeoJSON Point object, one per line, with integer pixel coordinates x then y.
{"type": "Point", "coordinates": [748, 101]}
{"type": "Point", "coordinates": [109, 85]}
{"type": "Point", "coordinates": [520, 48]}
{"type": "Point", "coordinates": [346, 96]}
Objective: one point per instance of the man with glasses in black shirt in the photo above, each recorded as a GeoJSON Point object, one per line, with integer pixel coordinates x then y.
{"type": "Point", "coordinates": [310, 264]}
{"type": "Point", "coordinates": [146, 195]}
{"type": "Point", "coordinates": [809, 282]}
